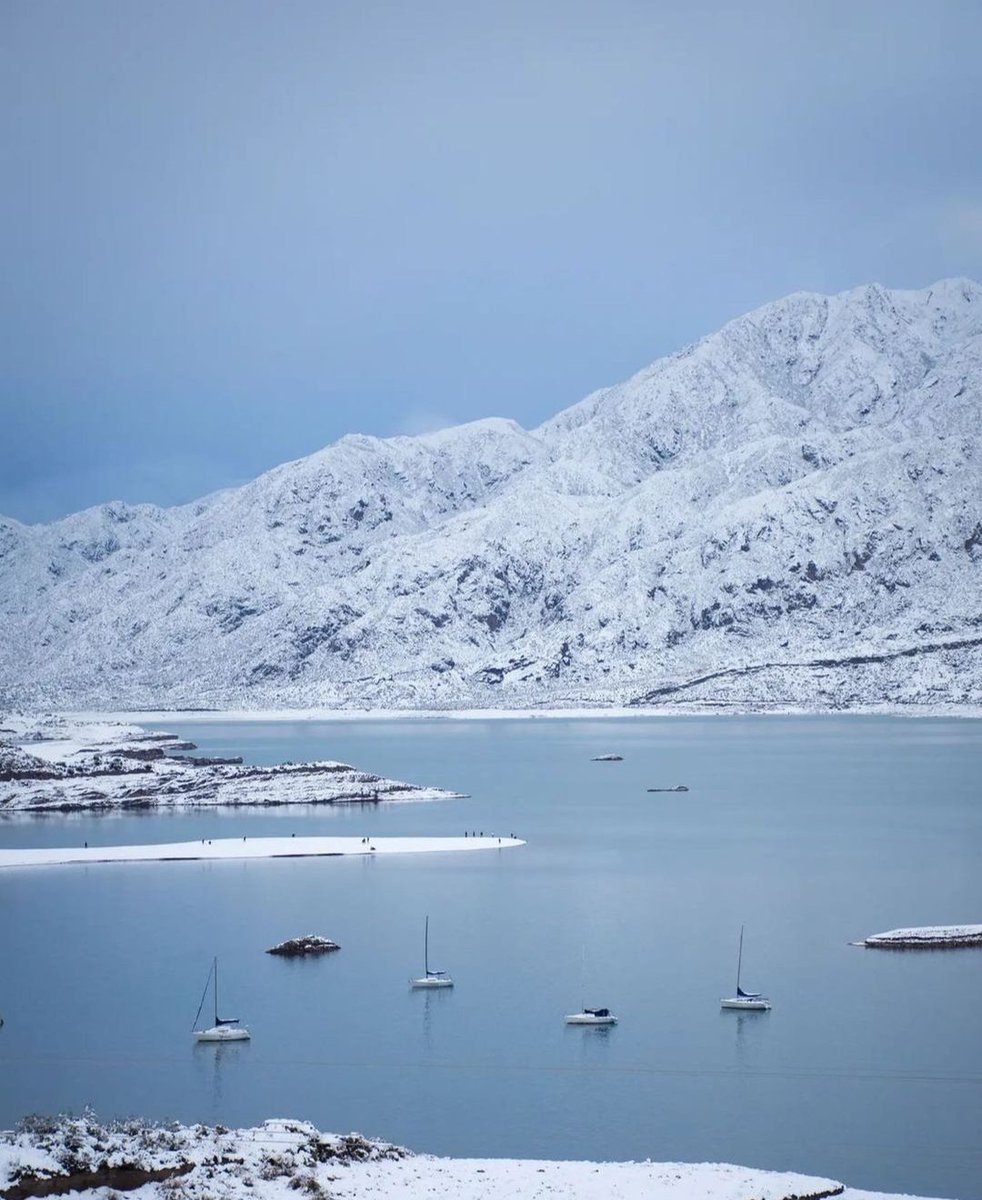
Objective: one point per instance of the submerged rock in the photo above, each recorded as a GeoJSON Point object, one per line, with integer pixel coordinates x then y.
{"type": "Point", "coordinates": [298, 947]}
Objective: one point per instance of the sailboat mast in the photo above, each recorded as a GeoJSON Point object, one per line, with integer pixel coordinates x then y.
{"type": "Point", "coordinates": [739, 959]}
{"type": "Point", "coordinates": [426, 947]}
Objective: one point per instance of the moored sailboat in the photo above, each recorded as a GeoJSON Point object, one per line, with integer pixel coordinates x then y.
{"type": "Point", "coordinates": [589, 1016]}
{"type": "Point", "coordinates": [225, 1029]}
{"type": "Point", "coordinates": [592, 1016]}
{"type": "Point", "coordinates": [429, 978]}
{"type": "Point", "coordinates": [748, 1001]}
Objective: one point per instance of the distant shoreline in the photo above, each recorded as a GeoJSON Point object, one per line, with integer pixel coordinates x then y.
{"type": "Point", "coordinates": [143, 716]}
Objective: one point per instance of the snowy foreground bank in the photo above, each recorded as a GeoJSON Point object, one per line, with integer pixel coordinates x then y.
{"type": "Point", "coordinates": [281, 1159]}
{"type": "Point", "coordinates": [242, 848]}
{"type": "Point", "coordinates": [73, 764]}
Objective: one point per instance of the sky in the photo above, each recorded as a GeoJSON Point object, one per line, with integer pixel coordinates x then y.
{"type": "Point", "coordinates": [233, 232]}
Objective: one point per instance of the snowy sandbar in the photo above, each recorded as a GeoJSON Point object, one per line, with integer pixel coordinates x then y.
{"type": "Point", "coordinates": [227, 849]}
{"type": "Point", "coordinates": [926, 937]}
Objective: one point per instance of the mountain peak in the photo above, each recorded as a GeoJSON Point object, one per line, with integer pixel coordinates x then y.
{"type": "Point", "coordinates": [785, 511]}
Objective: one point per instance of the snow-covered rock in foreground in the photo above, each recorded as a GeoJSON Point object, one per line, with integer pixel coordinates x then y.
{"type": "Point", "coordinates": [82, 765]}
{"type": "Point", "coordinates": [928, 937]}
{"type": "Point", "coordinates": [281, 1159]}
{"type": "Point", "coordinates": [788, 513]}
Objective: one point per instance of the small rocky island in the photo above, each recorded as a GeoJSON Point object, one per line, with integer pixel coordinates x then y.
{"type": "Point", "coordinates": [926, 937]}
{"type": "Point", "coordinates": [64, 764]}
{"type": "Point", "coordinates": [301, 947]}
{"type": "Point", "coordinates": [679, 787]}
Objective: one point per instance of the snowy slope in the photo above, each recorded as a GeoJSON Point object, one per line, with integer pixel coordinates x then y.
{"type": "Point", "coordinates": [283, 1158]}
{"type": "Point", "coordinates": [788, 512]}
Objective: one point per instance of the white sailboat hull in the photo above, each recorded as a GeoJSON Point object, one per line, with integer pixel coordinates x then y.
{"type": "Point", "coordinates": [585, 1018]}
{"type": "Point", "coordinates": [222, 1033]}
{"type": "Point", "coordinates": [445, 982]}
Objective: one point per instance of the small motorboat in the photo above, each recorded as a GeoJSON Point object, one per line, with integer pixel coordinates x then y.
{"type": "Point", "coordinates": [592, 1016]}
{"type": "Point", "coordinates": [225, 1029]}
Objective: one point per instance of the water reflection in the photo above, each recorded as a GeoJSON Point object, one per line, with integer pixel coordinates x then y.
{"type": "Point", "coordinates": [213, 1061]}
{"type": "Point", "coordinates": [595, 1044]}
{"type": "Point", "coordinates": [592, 1033]}
{"type": "Point", "coordinates": [430, 998]}
{"type": "Point", "coordinates": [746, 1035]}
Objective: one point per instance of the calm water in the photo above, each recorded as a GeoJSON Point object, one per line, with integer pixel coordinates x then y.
{"type": "Point", "coordinates": [811, 831]}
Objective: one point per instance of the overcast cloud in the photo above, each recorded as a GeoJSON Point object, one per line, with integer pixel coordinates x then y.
{"type": "Point", "coordinates": [235, 231]}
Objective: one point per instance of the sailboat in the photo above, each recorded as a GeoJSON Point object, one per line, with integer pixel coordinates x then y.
{"type": "Point", "coordinates": [225, 1029]}
{"type": "Point", "coordinates": [430, 979]}
{"type": "Point", "coordinates": [748, 1001]}
{"type": "Point", "coordinates": [592, 1016]}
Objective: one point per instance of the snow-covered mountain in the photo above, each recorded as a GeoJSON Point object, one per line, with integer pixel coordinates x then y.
{"type": "Point", "coordinates": [787, 512]}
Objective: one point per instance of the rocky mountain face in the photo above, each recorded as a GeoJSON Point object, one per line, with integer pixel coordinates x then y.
{"type": "Point", "coordinates": [787, 512]}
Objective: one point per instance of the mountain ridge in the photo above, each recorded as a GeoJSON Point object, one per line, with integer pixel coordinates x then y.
{"type": "Point", "coordinates": [804, 483]}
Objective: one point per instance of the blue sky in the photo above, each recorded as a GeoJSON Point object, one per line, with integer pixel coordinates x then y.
{"type": "Point", "coordinates": [235, 231]}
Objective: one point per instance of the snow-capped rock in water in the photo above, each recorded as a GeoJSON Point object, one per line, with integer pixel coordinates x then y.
{"type": "Point", "coordinates": [788, 512]}
{"type": "Point", "coordinates": [301, 947]}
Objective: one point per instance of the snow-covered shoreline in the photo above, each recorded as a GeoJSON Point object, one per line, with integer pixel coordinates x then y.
{"type": "Point", "coordinates": [75, 764]}
{"type": "Point", "coordinates": [612, 713]}
{"type": "Point", "coordinates": [283, 1158]}
{"type": "Point", "coordinates": [239, 849]}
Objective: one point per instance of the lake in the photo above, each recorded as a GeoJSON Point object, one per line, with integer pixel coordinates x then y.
{"type": "Point", "coordinates": [811, 832]}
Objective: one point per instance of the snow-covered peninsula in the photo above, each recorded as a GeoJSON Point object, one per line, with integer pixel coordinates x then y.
{"type": "Point", "coordinates": [783, 515]}
{"type": "Point", "coordinates": [281, 1159]}
{"type": "Point", "coordinates": [926, 937]}
{"type": "Point", "coordinates": [62, 764]}
{"type": "Point", "coordinates": [244, 848]}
